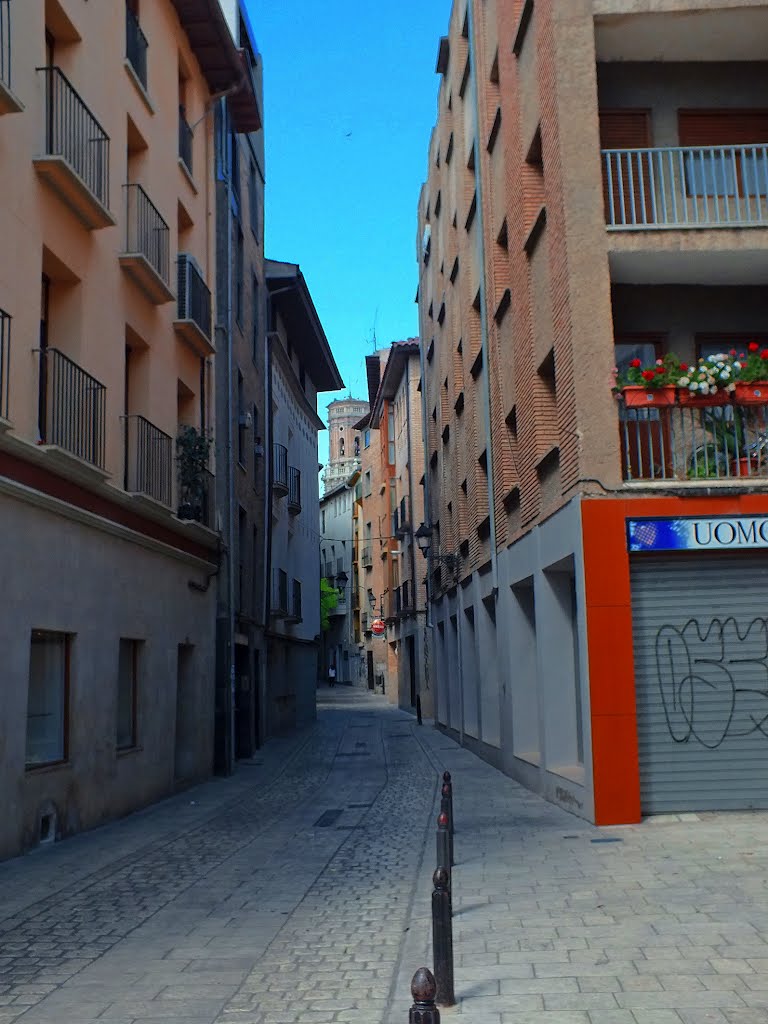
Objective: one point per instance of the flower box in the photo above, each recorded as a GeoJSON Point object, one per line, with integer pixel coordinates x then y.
{"type": "Point", "coordinates": [745, 466]}
{"type": "Point", "coordinates": [751, 394]}
{"type": "Point", "coordinates": [650, 398]}
{"type": "Point", "coordinates": [691, 398]}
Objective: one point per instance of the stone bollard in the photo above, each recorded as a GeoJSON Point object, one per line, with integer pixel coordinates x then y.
{"type": "Point", "coordinates": [443, 844]}
{"type": "Point", "coordinates": [423, 989]}
{"type": "Point", "coordinates": [442, 938]}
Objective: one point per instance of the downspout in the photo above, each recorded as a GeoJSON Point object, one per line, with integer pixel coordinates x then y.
{"type": "Point", "coordinates": [483, 304]}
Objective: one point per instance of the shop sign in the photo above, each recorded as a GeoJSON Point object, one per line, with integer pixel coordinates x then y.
{"type": "Point", "coordinates": [729, 533]}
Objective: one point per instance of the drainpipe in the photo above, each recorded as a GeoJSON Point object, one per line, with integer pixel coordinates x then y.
{"type": "Point", "coordinates": [483, 300]}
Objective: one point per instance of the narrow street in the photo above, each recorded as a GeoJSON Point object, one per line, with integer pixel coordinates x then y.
{"type": "Point", "coordinates": [298, 891]}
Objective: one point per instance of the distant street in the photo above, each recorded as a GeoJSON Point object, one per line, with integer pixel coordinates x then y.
{"type": "Point", "coordinates": [298, 891]}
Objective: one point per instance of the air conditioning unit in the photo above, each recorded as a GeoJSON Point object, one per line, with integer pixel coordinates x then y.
{"type": "Point", "coordinates": [246, 420]}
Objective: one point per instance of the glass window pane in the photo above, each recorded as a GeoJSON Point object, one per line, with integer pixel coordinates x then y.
{"type": "Point", "coordinates": [46, 701]}
{"type": "Point", "coordinates": [625, 352]}
{"type": "Point", "coordinates": [709, 173]}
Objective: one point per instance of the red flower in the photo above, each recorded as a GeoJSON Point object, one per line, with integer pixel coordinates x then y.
{"type": "Point", "coordinates": [648, 374]}
{"type": "Point", "coordinates": [683, 366]}
{"type": "Point", "coordinates": [741, 355]}
{"type": "Point", "coordinates": [764, 354]}
{"type": "Point", "coordinates": [732, 352]}
{"type": "Point", "coordinates": [753, 346]}
{"type": "Point", "coordinates": [635, 363]}
{"type": "Point", "coordinates": [660, 369]}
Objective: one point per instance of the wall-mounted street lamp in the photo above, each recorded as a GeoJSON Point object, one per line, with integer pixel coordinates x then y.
{"type": "Point", "coordinates": [424, 541]}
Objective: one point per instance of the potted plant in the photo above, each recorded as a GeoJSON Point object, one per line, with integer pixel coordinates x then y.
{"type": "Point", "coordinates": [650, 386]}
{"type": "Point", "coordinates": [192, 450]}
{"type": "Point", "coordinates": [752, 383]}
{"type": "Point", "coordinates": [709, 382]}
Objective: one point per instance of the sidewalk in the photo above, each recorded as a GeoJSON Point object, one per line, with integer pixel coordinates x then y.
{"type": "Point", "coordinates": [558, 922]}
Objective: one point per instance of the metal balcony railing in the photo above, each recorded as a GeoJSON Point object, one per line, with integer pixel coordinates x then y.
{"type": "Point", "coordinates": [367, 558]}
{"type": "Point", "coordinates": [395, 522]}
{"type": "Point", "coordinates": [296, 613]}
{"type": "Point", "coordinates": [405, 515]}
{"type": "Point", "coordinates": [149, 460]}
{"type": "Point", "coordinates": [5, 362]}
{"type": "Point", "coordinates": [683, 187]}
{"type": "Point", "coordinates": [185, 142]}
{"type": "Point", "coordinates": [147, 233]}
{"type": "Point", "coordinates": [294, 490]}
{"type": "Point", "coordinates": [72, 405]}
{"type": "Point", "coordinates": [364, 621]}
{"type": "Point", "coordinates": [396, 606]}
{"type": "Point", "coordinates": [5, 43]}
{"type": "Point", "coordinates": [279, 468]}
{"type": "Point", "coordinates": [136, 46]}
{"type": "Point", "coordinates": [72, 132]}
{"type": "Point", "coordinates": [194, 296]}
{"type": "Point", "coordinates": [679, 443]}
{"type": "Point", "coordinates": [279, 593]}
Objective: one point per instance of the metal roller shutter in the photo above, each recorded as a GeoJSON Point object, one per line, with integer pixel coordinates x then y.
{"type": "Point", "coordinates": [701, 676]}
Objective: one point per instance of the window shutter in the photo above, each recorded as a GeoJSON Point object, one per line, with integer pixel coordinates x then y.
{"type": "Point", "coordinates": [722, 127]}
{"type": "Point", "coordinates": [626, 129]}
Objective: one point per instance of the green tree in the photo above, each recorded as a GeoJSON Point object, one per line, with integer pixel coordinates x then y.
{"type": "Point", "coordinates": [329, 598]}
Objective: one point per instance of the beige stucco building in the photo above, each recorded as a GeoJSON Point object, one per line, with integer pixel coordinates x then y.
{"type": "Point", "coordinates": [107, 215]}
{"type": "Point", "coordinates": [596, 192]}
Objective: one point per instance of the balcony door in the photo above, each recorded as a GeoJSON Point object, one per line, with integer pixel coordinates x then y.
{"type": "Point", "coordinates": [646, 447]}
{"type": "Point", "coordinates": [42, 405]}
{"type": "Point", "coordinates": [737, 166]}
{"type": "Point", "coordinates": [626, 176]}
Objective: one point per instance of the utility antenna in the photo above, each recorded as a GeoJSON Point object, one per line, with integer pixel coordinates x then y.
{"type": "Point", "coordinates": [374, 343]}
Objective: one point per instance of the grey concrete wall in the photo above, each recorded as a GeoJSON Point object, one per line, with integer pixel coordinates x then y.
{"type": "Point", "coordinates": [65, 576]}
{"type": "Point", "coordinates": [526, 700]}
{"type": "Point", "coordinates": [664, 88]}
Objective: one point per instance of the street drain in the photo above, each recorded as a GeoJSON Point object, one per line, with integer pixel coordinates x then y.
{"type": "Point", "coordinates": [328, 818]}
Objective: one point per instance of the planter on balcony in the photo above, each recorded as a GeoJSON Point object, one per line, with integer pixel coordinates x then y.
{"type": "Point", "coordinates": [745, 466]}
{"type": "Point", "coordinates": [651, 398]}
{"type": "Point", "coordinates": [690, 398]}
{"type": "Point", "coordinates": [755, 393]}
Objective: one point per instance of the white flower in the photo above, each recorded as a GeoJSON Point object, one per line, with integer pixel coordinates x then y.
{"type": "Point", "coordinates": [720, 363]}
{"type": "Point", "coordinates": [725, 375]}
{"type": "Point", "coordinates": [730, 387]}
{"type": "Point", "coordinates": [737, 366]}
{"type": "Point", "coordinates": [704, 389]}
{"type": "Point", "coordinates": [684, 382]}
{"type": "Point", "coordinates": [693, 386]}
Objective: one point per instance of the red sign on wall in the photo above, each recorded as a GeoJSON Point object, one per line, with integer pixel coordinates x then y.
{"type": "Point", "coordinates": [378, 627]}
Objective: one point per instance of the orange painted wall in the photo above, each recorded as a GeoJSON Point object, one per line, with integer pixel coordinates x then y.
{"type": "Point", "coordinates": [609, 636]}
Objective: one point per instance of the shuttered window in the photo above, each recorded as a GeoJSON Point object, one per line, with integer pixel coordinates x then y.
{"type": "Point", "coordinates": [727, 170]}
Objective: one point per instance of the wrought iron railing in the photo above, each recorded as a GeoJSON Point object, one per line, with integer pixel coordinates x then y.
{"type": "Point", "coordinates": [680, 442]}
{"type": "Point", "coordinates": [395, 522]}
{"type": "Point", "coordinates": [72, 132]}
{"type": "Point", "coordinates": [5, 362]}
{"type": "Point", "coordinates": [279, 592]}
{"type": "Point", "coordinates": [146, 231]}
{"type": "Point", "coordinates": [364, 621]}
{"type": "Point", "coordinates": [367, 558]}
{"type": "Point", "coordinates": [149, 460]}
{"type": "Point", "coordinates": [711, 186]}
{"type": "Point", "coordinates": [280, 468]}
{"type": "Point", "coordinates": [294, 489]}
{"type": "Point", "coordinates": [72, 407]}
{"type": "Point", "coordinates": [5, 43]}
{"type": "Point", "coordinates": [185, 142]}
{"type": "Point", "coordinates": [194, 296]}
{"type": "Point", "coordinates": [136, 46]}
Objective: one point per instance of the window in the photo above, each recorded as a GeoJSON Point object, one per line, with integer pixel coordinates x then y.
{"type": "Point", "coordinates": [367, 489]}
{"type": "Point", "coordinates": [242, 543]}
{"type": "Point", "coordinates": [255, 339]}
{"type": "Point", "coordinates": [253, 200]}
{"type": "Point", "coordinates": [127, 694]}
{"type": "Point", "coordinates": [367, 439]}
{"type": "Point", "coordinates": [256, 443]}
{"type": "Point", "coordinates": [391, 438]}
{"type": "Point", "coordinates": [322, 516]}
{"type": "Point", "coordinates": [235, 160]}
{"type": "Point", "coordinates": [241, 420]}
{"type": "Point", "coordinates": [731, 170]}
{"type": "Point", "coordinates": [239, 281]}
{"type": "Point", "coordinates": [48, 698]}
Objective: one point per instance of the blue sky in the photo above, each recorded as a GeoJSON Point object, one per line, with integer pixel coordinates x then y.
{"type": "Point", "coordinates": [350, 96]}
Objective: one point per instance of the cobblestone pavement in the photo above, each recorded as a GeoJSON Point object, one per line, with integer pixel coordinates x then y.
{"type": "Point", "coordinates": [298, 893]}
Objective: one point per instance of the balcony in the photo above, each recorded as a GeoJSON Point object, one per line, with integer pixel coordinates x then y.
{"type": "Point", "coordinates": [340, 611]}
{"type": "Point", "coordinates": [367, 558]}
{"type": "Point", "coordinates": [280, 608]}
{"type": "Point", "coordinates": [75, 162]}
{"type": "Point", "coordinates": [294, 615]}
{"type": "Point", "coordinates": [148, 460]}
{"type": "Point", "coordinates": [5, 364]}
{"type": "Point", "coordinates": [146, 259]}
{"type": "Point", "coordinates": [395, 522]}
{"type": "Point", "coordinates": [193, 322]}
{"type": "Point", "coordinates": [680, 444]}
{"type": "Point", "coordinates": [185, 144]}
{"type": "Point", "coordinates": [9, 104]}
{"type": "Point", "coordinates": [294, 491]}
{"type": "Point", "coordinates": [679, 187]}
{"type": "Point", "coordinates": [136, 46]}
{"type": "Point", "coordinates": [279, 470]}
{"type": "Point", "coordinates": [407, 598]}
{"type": "Point", "coordinates": [364, 622]}
{"type": "Point", "coordinates": [404, 523]}
{"type": "Point", "coordinates": [71, 410]}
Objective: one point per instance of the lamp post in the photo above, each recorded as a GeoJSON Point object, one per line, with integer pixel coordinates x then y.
{"type": "Point", "coordinates": [424, 540]}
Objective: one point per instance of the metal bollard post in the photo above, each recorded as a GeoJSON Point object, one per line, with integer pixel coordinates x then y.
{"type": "Point", "coordinates": [443, 845]}
{"type": "Point", "coordinates": [445, 808]}
{"type": "Point", "coordinates": [449, 795]}
{"type": "Point", "coordinates": [423, 989]}
{"type": "Point", "coordinates": [442, 938]}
